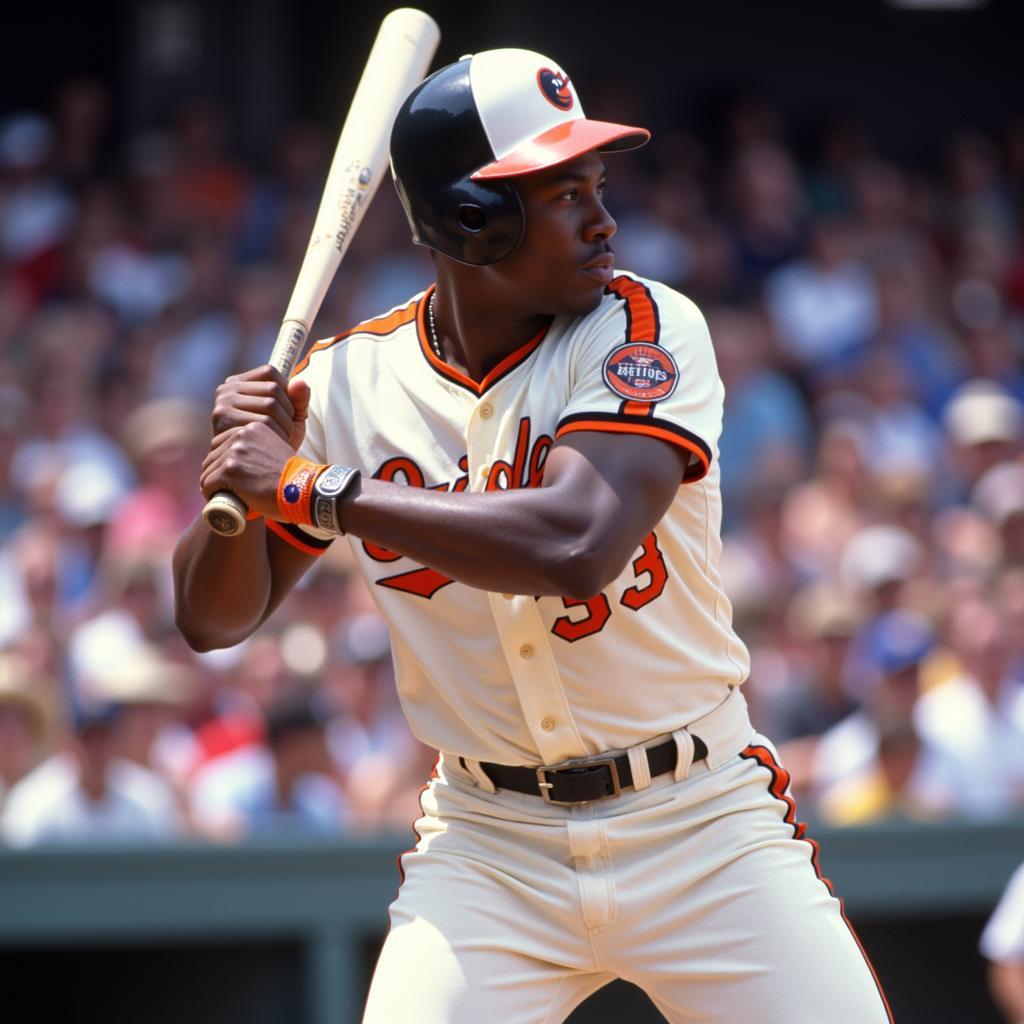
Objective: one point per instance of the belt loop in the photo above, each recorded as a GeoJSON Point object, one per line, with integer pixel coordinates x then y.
{"type": "Point", "coordinates": [640, 767]}
{"type": "Point", "coordinates": [480, 777]}
{"type": "Point", "coordinates": [684, 751]}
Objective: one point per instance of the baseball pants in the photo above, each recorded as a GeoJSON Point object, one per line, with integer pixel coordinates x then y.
{"type": "Point", "coordinates": [699, 889]}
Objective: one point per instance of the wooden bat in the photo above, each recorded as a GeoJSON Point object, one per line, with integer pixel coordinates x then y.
{"type": "Point", "coordinates": [397, 63]}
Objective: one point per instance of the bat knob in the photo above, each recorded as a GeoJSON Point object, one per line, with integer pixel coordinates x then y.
{"type": "Point", "coordinates": [225, 514]}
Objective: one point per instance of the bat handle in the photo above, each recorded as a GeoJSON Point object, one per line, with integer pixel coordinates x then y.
{"type": "Point", "coordinates": [225, 514]}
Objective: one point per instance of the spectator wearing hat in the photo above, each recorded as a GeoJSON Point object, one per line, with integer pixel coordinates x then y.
{"type": "Point", "coordinates": [85, 793]}
{"type": "Point", "coordinates": [166, 439]}
{"type": "Point", "coordinates": [984, 423]}
{"type": "Point", "coordinates": [975, 722]}
{"type": "Point", "coordinates": [999, 497]}
{"type": "Point", "coordinates": [1002, 944]}
{"type": "Point", "coordinates": [822, 620]}
{"type": "Point", "coordinates": [153, 695]}
{"type": "Point", "coordinates": [878, 563]}
{"type": "Point", "coordinates": [874, 764]}
{"type": "Point", "coordinates": [24, 721]}
{"type": "Point", "coordinates": [283, 785]}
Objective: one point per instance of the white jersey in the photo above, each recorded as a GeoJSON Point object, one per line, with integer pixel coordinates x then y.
{"type": "Point", "coordinates": [512, 678]}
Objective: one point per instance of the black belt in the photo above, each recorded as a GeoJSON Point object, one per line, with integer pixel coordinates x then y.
{"type": "Point", "coordinates": [589, 780]}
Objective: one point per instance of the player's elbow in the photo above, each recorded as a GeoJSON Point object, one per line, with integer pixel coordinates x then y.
{"type": "Point", "coordinates": [586, 567]}
{"type": "Point", "coordinates": [207, 636]}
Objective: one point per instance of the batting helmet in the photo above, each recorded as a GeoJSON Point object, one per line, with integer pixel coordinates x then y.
{"type": "Point", "coordinates": [465, 134]}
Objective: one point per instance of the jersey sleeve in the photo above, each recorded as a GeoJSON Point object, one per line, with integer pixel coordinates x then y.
{"type": "Point", "coordinates": [647, 367]}
{"type": "Point", "coordinates": [308, 539]}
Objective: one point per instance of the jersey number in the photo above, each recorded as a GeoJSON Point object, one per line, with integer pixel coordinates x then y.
{"type": "Point", "coordinates": [649, 563]}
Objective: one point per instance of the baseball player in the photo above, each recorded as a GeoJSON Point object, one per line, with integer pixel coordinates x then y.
{"type": "Point", "coordinates": [523, 458]}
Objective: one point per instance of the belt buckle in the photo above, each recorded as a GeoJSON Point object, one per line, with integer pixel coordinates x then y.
{"type": "Point", "coordinates": [546, 787]}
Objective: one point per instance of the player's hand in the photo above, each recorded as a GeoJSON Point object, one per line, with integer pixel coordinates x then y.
{"type": "Point", "coordinates": [248, 461]}
{"type": "Point", "coordinates": [263, 396]}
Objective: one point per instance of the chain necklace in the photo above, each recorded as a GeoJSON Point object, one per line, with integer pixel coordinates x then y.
{"type": "Point", "coordinates": [435, 342]}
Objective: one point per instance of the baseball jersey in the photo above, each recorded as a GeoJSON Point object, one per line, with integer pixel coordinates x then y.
{"type": "Point", "coordinates": [512, 678]}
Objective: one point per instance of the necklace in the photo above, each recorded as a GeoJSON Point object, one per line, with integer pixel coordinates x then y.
{"type": "Point", "coordinates": [435, 342]}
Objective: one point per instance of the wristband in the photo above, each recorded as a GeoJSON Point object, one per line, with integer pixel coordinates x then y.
{"type": "Point", "coordinates": [329, 488]}
{"type": "Point", "coordinates": [295, 490]}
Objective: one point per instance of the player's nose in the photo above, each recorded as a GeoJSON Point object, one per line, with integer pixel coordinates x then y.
{"type": "Point", "coordinates": [600, 225]}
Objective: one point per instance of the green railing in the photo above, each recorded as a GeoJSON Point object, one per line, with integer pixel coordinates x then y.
{"type": "Point", "coordinates": [328, 901]}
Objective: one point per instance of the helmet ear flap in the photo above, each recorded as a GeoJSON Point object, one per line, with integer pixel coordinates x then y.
{"type": "Point", "coordinates": [437, 143]}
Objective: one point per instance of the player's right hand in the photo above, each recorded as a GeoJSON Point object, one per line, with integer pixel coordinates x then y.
{"type": "Point", "coordinates": [262, 395]}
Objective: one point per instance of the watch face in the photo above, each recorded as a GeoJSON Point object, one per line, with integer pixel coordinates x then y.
{"type": "Point", "coordinates": [332, 481]}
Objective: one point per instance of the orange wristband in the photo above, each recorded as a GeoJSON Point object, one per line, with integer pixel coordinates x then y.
{"type": "Point", "coordinates": [295, 490]}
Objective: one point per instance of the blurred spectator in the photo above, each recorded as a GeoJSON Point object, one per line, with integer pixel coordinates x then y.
{"type": "Point", "coordinates": [167, 439]}
{"type": "Point", "coordinates": [767, 209]}
{"type": "Point", "coordinates": [383, 764]}
{"type": "Point", "coordinates": [874, 764]}
{"type": "Point", "coordinates": [150, 693]}
{"type": "Point", "coordinates": [134, 607]}
{"type": "Point", "coordinates": [999, 497]}
{"type": "Point", "coordinates": [985, 426]}
{"type": "Point", "coordinates": [822, 620]}
{"type": "Point", "coordinates": [25, 721]}
{"type": "Point", "coordinates": [878, 563]}
{"type": "Point", "coordinates": [976, 720]}
{"type": "Point", "coordinates": [1002, 944]}
{"type": "Point", "coordinates": [867, 317]}
{"type": "Point", "coordinates": [824, 307]}
{"type": "Point", "coordinates": [36, 211]}
{"type": "Point", "coordinates": [286, 785]}
{"type": "Point", "coordinates": [85, 793]}
{"type": "Point", "coordinates": [822, 514]}
{"type": "Point", "coordinates": [766, 426]}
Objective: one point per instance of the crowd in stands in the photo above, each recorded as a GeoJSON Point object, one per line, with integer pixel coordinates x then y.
{"type": "Point", "coordinates": [868, 318]}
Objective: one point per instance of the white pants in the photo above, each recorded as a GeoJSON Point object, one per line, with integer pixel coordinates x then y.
{"type": "Point", "coordinates": [700, 891]}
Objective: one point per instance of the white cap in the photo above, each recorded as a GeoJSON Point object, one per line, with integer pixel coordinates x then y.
{"type": "Point", "coordinates": [532, 116]}
{"type": "Point", "coordinates": [982, 410]}
{"type": "Point", "coordinates": [999, 493]}
{"type": "Point", "coordinates": [878, 555]}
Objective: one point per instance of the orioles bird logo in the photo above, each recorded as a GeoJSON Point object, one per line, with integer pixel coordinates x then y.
{"type": "Point", "coordinates": [555, 86]}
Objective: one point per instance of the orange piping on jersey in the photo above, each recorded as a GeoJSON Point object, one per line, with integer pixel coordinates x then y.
{"type": "Point", "coordinates": [509, 363]}
{"type": "Point", "coordinates": [778, 787]}
{"type": "Point", "coordinates": [641, 312]}
{"type": "Point", "coordinates": [275, 527]}
{"type": "Point", "coordinates": [412, 849]}
{"type": "Point", "coordinates": [637, 409]}
{"type": "Point", "coordinates": [380, 326]}
{"type": "Point", "coordinates": [692, 473]}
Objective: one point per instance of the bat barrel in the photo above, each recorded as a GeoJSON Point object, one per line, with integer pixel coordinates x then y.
{"type": "Point", "coordinates": [401, 54]}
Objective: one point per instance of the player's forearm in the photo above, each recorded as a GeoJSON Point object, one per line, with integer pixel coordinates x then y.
{"type": "Point", "coordinates": [525, 541]}
{"type": "Point", "coordinates": [222, 585]}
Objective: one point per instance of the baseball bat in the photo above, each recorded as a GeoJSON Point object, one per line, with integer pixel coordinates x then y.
{"type": "Point", "coordinates": [398, 61]}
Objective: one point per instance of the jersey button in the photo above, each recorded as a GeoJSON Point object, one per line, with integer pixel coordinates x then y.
{"type": "Point", "coordinates": [486, 411]}
{"type": "Point", "coordinates": [547, 724]}
{"type": "Point", "coordinates": [526, 651]}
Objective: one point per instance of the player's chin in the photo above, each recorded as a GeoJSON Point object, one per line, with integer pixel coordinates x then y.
{"type": "Point", "coordinates": [584, 300]}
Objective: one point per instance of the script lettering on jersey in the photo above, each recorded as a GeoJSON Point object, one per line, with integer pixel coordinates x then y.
{"type": "Point", "coordinates": [525, 470]}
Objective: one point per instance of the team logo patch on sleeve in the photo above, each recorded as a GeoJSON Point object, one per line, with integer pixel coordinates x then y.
{"type": "Point", "coordinates": [641, 373]}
